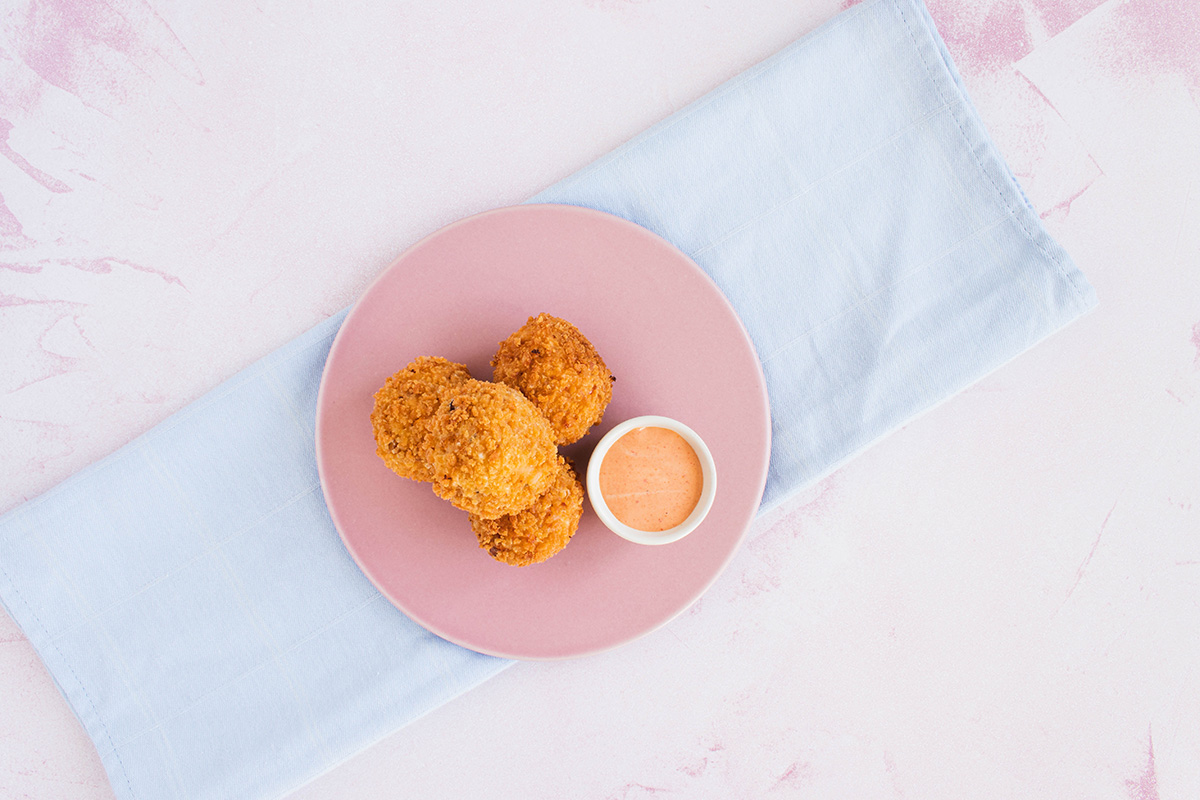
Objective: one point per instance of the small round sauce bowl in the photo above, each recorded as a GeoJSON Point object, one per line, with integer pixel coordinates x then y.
{"type": "Point", "coordinates": [708, 490]}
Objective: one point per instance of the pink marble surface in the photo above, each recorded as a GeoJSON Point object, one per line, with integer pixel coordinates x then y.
{"type": "Point", "coordinates": [999, 600]}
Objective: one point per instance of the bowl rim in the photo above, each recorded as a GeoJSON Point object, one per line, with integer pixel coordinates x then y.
{"type": "Point", "coordinates": [708, 490]}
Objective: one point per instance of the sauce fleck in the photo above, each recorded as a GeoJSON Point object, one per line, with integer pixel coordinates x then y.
{"type": "Point", "coordinates": [651, 479]}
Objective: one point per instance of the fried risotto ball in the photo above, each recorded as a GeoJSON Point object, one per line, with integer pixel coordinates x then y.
{"type": "Point", "coordinates": [403, 408]}
{"type": "Point", "coordinates": [555, 366]}
{"type": "Point", "coordinates": [533, 535]}
{"type": "Point", "coordinates": [489, 450]}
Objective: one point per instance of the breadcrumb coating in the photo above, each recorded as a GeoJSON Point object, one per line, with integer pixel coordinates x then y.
{"type": "Point", "coordinates": [533, 535]}
{"type": "Point", "coordinates": [489, 450]}
{"type": "Point", "coordinates": [403, 407]}
{"type": "Point", "coordinates": [549, 361]}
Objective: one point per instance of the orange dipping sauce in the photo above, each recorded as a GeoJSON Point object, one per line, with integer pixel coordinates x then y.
{"type": "Point", "coordinates": [651, 479]}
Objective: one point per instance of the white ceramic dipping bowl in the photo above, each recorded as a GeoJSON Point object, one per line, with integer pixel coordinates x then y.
{"type": "Point", "coordinates": [708, 490]}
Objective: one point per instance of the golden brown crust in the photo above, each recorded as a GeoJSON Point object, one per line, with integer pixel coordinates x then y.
{"type": "Point", "coordinates": [557, 368]}
{"type": "Point", "coordinates": [489, 450]}
{"type": "Point", "coordinates": [533, 535]}
{"type": "Point", "coordinates": [403, 407]}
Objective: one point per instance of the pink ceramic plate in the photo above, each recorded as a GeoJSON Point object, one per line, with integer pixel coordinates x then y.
{"type": "Point", "coordinates": [676, 348]}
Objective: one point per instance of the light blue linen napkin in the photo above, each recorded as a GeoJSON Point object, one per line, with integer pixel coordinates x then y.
{"type": "Point", "coordinates": [189, 593]}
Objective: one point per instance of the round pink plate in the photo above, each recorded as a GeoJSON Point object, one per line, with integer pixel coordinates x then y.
{"type": "Point", "coordinates": [677, 349]}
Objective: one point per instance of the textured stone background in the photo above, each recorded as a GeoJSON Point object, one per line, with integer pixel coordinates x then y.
{"type": "Point", "coordinates": [1000, 600]}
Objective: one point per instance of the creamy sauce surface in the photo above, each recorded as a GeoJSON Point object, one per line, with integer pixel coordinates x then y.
{"type": "Point", "coordinates": [651, 479]}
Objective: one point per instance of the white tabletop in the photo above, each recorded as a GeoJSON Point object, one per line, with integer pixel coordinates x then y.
{"type": "Point", "coordinates": [1003, 598]}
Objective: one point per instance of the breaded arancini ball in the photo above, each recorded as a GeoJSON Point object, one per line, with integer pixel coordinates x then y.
{"type": "Point", "coordinates": [489, 450]}
{"type": "Point", "coordinates": [549, 361]}
{"type": "Point", "coordinates": [403, 408]}
{"type": "Point", "coordinates": [533, 535]}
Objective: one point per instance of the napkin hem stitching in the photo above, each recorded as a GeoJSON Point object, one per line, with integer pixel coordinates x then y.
{"type": "Point", "coordinates": [775, 502]}
{"type": "Point", "coordinates": [374, 740]}
{"type": "Point", "coordinates": [77, 682]}
{"type": "Point", "coordinates": [930, 31]}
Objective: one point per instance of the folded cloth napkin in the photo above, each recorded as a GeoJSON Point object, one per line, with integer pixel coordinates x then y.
{"type": "Point", "coordinates": [189, 593]}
